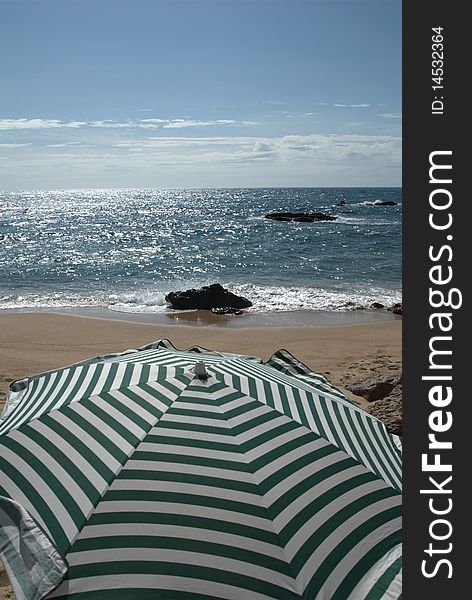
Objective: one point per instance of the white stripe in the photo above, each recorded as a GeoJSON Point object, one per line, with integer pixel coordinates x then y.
{"type": "Point", "coordinates": [206, 491]}
{"type": "Point", "coordinates": [136, 374]}
{"type": "Point", "coordinates": [19, 496]}
{"type": "Point", "coordinates": [205, 406]}
{"type": "Point", "coordinates": [376, 572]}
{"type": "Point", "coordinates": [153, 400]}
{"type": "Point", "coordinates": [104, 428]}
{"type": "Point", "coordinates": [324, 423]}
{"type": "Point", "coordinates": [27, 407]}
{"type": "Point", "coordinates": [384, 471]}
{"type": "Point", "coordinates": [166, 391]}
{"type": "Point", "coordinates": [192, 420]}
{"type": "Point", "coordinates": [193, 435]}
{"type": "Point", "coordinates": [90, 373]}
{"type": "Point", "coordinates": [282, 440]}
{"type": "Point", "coordinates": [294, 479]}
{"type": "Point", "coordinates": [134, 406]}
{"type": "Point", "coordinates": [182, 468]}
{"type": "Point", "coordinates": [52, 465]}
{"type": "Point", "coordinates": [100, 452]}
{"type": "Point", "coordinates": [180, 508]}
{"type": "Point", "coordinates": [76, 457]}
{"type": "Point", "coordinates": [68, 391]}
{"type": "Point", "coordinates": [361, 549]}
{"type": "Point", "coordinates": [293, 404]}
{"type": "Point", "coordinates": [186, 559]}
{"type": "Point", "coordinates": [56, 506]}
{"type": "Point", "coordinates": [352, 494]}
{"type": "Point", "coordinates": [181, 532]}
{"type": "Point", "coordinates": [155, 582]}
{"type": "Point", "coordinates": [253, 414]}
{"type": "Point", "coordinates": [308, 411]}
{"type": "Point", "coordinates": [337, 537]}
{"type": "Point", "coordinates": [209, 453]}
{"type": "Point", "coordinates": [102, 379]}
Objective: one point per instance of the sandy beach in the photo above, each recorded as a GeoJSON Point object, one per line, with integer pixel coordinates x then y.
{"type": "Point", "coordinates": [34, 342]}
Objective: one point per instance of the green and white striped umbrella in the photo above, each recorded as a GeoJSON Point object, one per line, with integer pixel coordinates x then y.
{"type": "Point", "coordinates": [132, 477]}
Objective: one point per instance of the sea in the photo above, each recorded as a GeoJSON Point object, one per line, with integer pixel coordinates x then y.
{"type": "Point", "coordinates": [123, 250]}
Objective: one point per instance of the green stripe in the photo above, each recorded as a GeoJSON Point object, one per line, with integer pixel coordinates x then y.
{"type": "Point", "coordinates": [350, 447]}
{"type": "Point", "coordinates": [156, 518]}
{"type": "Point", "coordinates": [211, 429]}
{"type": "Point", "coordinates": [191, 443]}
{"type": "Point", "coordinates": [272, 434]}
{"type": "Point", "coordinates": [83, 374]}
{"type": "Point", "coordinates": [201, 414]}
{"type": "Point", "coordinates": [375, 426]}
{"type": "Point", "coordinates": [185, 545]}
{"type": "Point", "coordinates": [279, 451]}
{"type": "Point", "coordinates": [272, 480]}
{"type": "Point", "coordinates": [95, 433]}
{"type": "Point", "coordinates": [49, 478]}
{"type": "Point", "coordinates": [126, 411]}
{"type": "Point", "coordinates": [202, 461]}
{"type": "Point", "coordinates": [98, 368]}
{"type": "Point", "coordinates": [68, 465]}
{"type": "Point", "coordinates": [365, 564]}
{"type": "Point", "coordinates": [313, 405]}
{"type": "Point", "coordinates": [351, 540]}
{"type": "Point", "coordinates": [89, 455]}
{"type": "Point", "coordinates": [105, 417]}
{"type": "Point", "coordinates": [333, 426]}
{"type": "Point", "coordinates": [319, 502]}
{"type": "Point", "coordinates": [133, 395]}
{"type": "Point", "coordinates": [41, 506]}
{"type": "Point", "coordinates": [134, 568]}
{"type": "Point", "coordinates": [373, 451]}
{"type": "Point", "coordinates": [186, 498]}
{"type": "Point", "coordinates": [383, 583]}
{"type": "Point", "coordinates": [191, 479]}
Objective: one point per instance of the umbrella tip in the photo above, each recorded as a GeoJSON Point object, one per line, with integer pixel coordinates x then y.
{"type": "Point", "coordinates": [200, 370]}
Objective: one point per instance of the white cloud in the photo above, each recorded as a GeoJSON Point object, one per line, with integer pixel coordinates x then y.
{"type": "Point", "coordinates": [14, 145]}
{"type": "Point", "coordinates": [153, 123]}
{"type": "Point", "coordinates": [364, 105]}
{"type": "Point", "coordinates": [391, 115]}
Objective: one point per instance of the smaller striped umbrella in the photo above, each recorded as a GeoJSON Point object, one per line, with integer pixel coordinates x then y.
{"type": "Point", "coordinates": [195, 475]}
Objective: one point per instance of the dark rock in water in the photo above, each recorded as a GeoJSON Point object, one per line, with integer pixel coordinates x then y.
{"type": "Point", "coordinates": [389, 410]}
{"type": "Point", "coordinates": [385, 203]}
{"type": "Point", "coordinates": [377, 305]}
{"type": "Point", "coordinates": [300, 217]}
{"type": "Point", "coordinates": [226, 310]}
{"type": "Point", "coordinates": [396, 309]}
{"type": "Point", "coordinates": [207, 297]}
{"type": "Point", "coordinates": [341, 203]}
{"type": "Point", "coordinates": [376, 387]}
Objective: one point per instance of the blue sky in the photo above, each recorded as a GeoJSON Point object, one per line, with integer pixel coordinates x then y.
{"type": "Point", "coordinates": [199, 93]}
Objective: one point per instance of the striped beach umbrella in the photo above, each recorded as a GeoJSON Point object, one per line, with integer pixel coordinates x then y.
{"type": "Point", "coordinates": [196, 475]}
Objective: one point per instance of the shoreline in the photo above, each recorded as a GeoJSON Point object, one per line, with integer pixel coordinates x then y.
{"type": "Point", "coordinates": [205, 318]}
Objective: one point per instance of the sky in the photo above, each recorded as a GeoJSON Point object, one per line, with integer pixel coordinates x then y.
{"type": "Point", "coordinates": [199, 93]}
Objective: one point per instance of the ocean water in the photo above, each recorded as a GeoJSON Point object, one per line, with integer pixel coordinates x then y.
{"type": "Point", "coordinates": [125, 249]}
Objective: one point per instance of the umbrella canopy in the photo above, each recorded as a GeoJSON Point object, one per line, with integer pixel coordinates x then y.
{"type": "Point", "coordinates": [138, 476]}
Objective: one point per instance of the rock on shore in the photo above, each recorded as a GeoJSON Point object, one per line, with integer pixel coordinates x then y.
{"type": "Point", "coordinates": [383, 390]}
{"type": "Point", "coordinates": [206, 298]}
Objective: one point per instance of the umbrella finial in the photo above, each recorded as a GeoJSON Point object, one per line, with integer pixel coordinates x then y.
{"type": "Point", "coordinates": [200, 370]}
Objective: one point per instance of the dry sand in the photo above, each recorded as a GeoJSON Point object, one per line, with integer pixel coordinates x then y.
{"type": "Point", "coordinates": [35, 342]}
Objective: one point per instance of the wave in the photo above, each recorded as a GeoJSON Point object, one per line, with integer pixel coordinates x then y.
{"type": "Point", "coordinates": [264, 299]}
